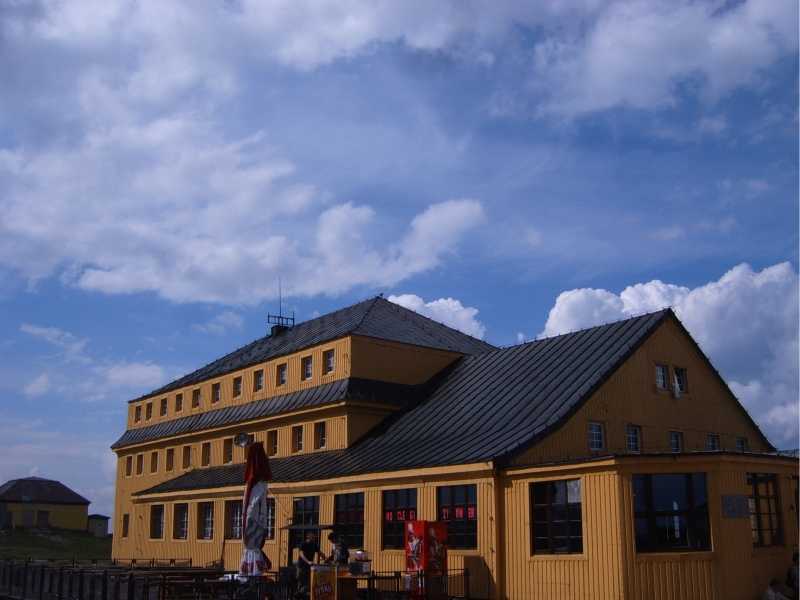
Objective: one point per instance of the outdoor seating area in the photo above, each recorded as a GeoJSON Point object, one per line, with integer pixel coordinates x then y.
{"type": "Point", "coordinates": [177, 579]}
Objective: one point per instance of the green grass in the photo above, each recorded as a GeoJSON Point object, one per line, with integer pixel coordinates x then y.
{"type": "Point", "coordinates": [60, 543]}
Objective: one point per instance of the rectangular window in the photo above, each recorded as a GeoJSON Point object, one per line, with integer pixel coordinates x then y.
{"type": "Point", "coordinates": [272, 442]}
{"type": "Point", "coordinates": [139, 464]}
{"type": "Point", "coordinates": [258, 380]}
{"type": "Point", "coordinates": [237, 386]}
{"type": "Point", "coordinates": [187, 457]}
{"type": "Point", "coordinates": [205, 454]}
{"type": "Point", "coordinates": [157, 521]}
{"type": "Point", "coordinates": [270, 533]}
{"type": "Point", "coordinates": [348, 518]}
{"type": "Point", "coordinates": [126, 523]}
{"type": "Point", "coordinates": [633, 438]}
{"type": "Point", "coordinates": [170, 459]}
{"type": "Point", "coordinates": [280, 375]}
{"type": "Point", "coordinates": [137, 413]}
{"type": "Point", "coordinates": [196, 398]}
{"type": "Point", "coordinates": [662, 377]}
{"type": "Point", "coordinates": [556, 517]}
{"type": "Point", "coordinates": [148, 411]}
{"type": "Point", "coordinates": [216, 392]}
{"type": "Point", "coordinates": [320, 437]}
{"type": "Point", "coordinates": [163, 410]}
{"type": "Point", "coordinates": [742, 445]}
{"type": "Point", "coordinates": [676, 441]}
{"type": "Point", "coordinates": [681, 380]}
{"type": "Point", "coordinates": [205, 521]}
{"type": "Point", "coordinates": [178, 402]}
{"type": "Point", "coordinates": [305, 511]}
{"type": "Point", "coordinates": [765, 509]}
{"type": "Point", "coordinates": [227, 451]}
{"type": "Point", "coordinates": [712, 442]}
{"type": "Point", "coordinates": [153, 462]}
{"type": "Point", "coordinates": [399, 506]}
{"type": "Point", "coordinates": [306, 368]}
{"type": "Point", "coordinates": [233, 520]}
{"type": "Point", "coordinates": [128, 466]}
{"type": "Point", "coordinates": [597, 436]}
{"type": "Point", "coordinates": [671, 512]}
{"type": "Point", "coordinates": [297, 438]}
{"type": "Point", "coordinates": [180, 521]}
{"type": "Point", "coordinates": [457, 506]}
{"type": "Point", "coordinates": [328, 361]}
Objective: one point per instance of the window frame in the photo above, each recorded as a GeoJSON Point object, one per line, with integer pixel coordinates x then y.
{"type": "Point", "coordinates": [227, 451]}
{"type": "Point", "coordinates": [328, 361]}
{"type": "Point", "coordinates": [462, 527]}
{"type": "Point", "coordinates": [348, 518]}
{"type": "Point", "coordinates": [713, 442]}
{"type": "Point", "coordinates": [186, 457]}
{"type": "Point", "coordinates": [234, 520]}
{"type": "Point", "coordinates": [320, 435]}
{"type": "Point", "coordinates": [203, 522]}
{"type": "Point", "coordinates": [148, 411]}
{"type": "Point", "coordinates": [696, 515]}
{"type": "Point", "coordinates": [679, 437]}
{"type": "Point", "coordinates": [281, 374]}
{"type": "Point", "coordinates": [665, 368]}
{"type": "Point", "coordinates": [297, 441]}
{"type": "Point", "coordinates": [169, 459]}
{"type": "Point", "coordinates": [307, 367]}
{"type": "Point", "coordinates": [140, 464]}
{"type": "Point", "coordinates": [205, 454]}
{"type": "Point", "coordinates": [154, 461]}
{"type": "Point", "coordinates": [197, 398]}
{"type": "Point", "coordinates": [633, 432]}
{"type": "Point", "coordinates": [129, 465]}
{"type": "Point", "coordinates": [126, 525]}
{"type": "Point", "coordinates": [179, 402]}
{"type": "Point", "coordinates": [163, 407]}
{"type": "Point", "coordinates": [238, 386]}
{"type": "Point", "coordinates": [270, 450]}
{"type": "Point", "coordinates": [183, 522]}
{"type": "Point", "coordinates": [216, 392]}
{"type": "Point", "coordinates": [307, 515]}
{"type": "Point", "coordinates": [550, 506]}
{"type": "Point", "coordinates": [602, 429]}
{"type": "Point", "coordinates": [742, 444]}
{"type": "Point", "coordinates": [258, 380]}
{"type": "Point", "coordinates": [773, 513]}
{"type": "Point", "coordinates": [153, 508]}
{"type": "Point", "coordinates": [400, 507]}
{"type": "Point", "coordinates": [137, 413]}
{"type": "Point", "coordinates": [683, 386]}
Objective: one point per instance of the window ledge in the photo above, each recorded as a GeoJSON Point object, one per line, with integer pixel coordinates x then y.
{"type": "Point", "coordinates": [674, 555]}
{"type": "Point", "coordinates": [557, 557]}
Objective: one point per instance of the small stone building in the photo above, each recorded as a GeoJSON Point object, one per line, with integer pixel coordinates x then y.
{"type": "Point", "coordinates": [34, 502]}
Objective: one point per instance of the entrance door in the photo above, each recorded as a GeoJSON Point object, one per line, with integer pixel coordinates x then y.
{"type": "Point", "coordinates": [43, 519]}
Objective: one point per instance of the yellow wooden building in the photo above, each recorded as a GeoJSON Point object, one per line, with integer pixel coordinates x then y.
{"type": "Point", "coordinates": [612, 462]}
{"type": "Point", "coordinates": [35, 502]}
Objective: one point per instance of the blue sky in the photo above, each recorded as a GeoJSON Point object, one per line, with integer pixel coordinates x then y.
{"type": "Point", "coordinates": [512, 170]}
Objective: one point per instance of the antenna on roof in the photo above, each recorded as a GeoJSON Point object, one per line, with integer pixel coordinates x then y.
{"type": "Point", "coordinates": [279, 322]}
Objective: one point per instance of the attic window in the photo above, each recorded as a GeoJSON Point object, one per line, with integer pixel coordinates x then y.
{"type": "Point", "coordinates": [258, 380]}
{"type": "Point", "coordinates": [633, 438]}
{"type": "Point", "coordinates": [742, 445]}
{"type": "Point", "coordinates": [237, 386]}
{"type": "Point", "coordinates": [216, 393]}
{"type": "Point", "coordinates": [681, 380]}
{"type": "Point", "coordinates": [597, 436]}
{"type": "Point", "coordinates": [280, 375]}
{"type": "Point", "coordinates": [148, 411]}
{"type": "Point", "coordinates": [328, 361]}
{"type": "Point", "coordinates": [712, 442]}
{"type": "Point", "coordinates": [137, 413]}
{"type": "Point", "coordinates": [306, 367]}
{"type": "Point", "coordinates": [662, 377]}
{"type": "Point", "coordinates": [196, 398]}
{"type": "Point", "coordinates": [163, 410]}
{"type": "Point", "coordinates": [178, 402]}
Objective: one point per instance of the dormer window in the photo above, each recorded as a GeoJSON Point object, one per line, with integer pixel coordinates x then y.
{"type": "Point", "coordinates": [216, 393]}
{"type": "Point", "coordinates": [662, 377]}
{"type": "Point", "coordinates": [258, 380]}
{"type": "Point", "coordinates": [163, 411]}
{"type": "Point", "coordinates": [196, 398]}
{"type": "Point", "coordinates": [328, 361]}
{"type": "Point", "coordinates": [237, 386]}
{"type": "Point", "coordinates": [280, 375]}
{"type": "Point", "coordinates": [137, 413]}
{"type": "Point", "coordinates": [178, 402]}
{"type": "Point", "coordinates": [306, 368]}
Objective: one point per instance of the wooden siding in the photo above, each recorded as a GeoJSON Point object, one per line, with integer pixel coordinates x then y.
{"type": "Point", "coordinates": [396, 363]}
{"type": "Point", "coordinates": [630, 396]}
{"type": "Point", "coordinates": [62, 516]}
{"type": "Point", "coordinates": [341, 348]}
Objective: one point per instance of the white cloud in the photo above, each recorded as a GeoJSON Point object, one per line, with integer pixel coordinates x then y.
{"type": "Point", "coordinates": [37, 387]}
{"type": "Point", "coordinates": [444, 310]}
{"type": "Point", "coordinates": [72, 346]}
{"type": "Point", "coordinates": [220, 324]}
{"type": "Point", "coordinates": [747, 323]}
{"type": "Point", "coordinates": [136, 375]}
{"type": "Point", "coordinates": [639, 54]}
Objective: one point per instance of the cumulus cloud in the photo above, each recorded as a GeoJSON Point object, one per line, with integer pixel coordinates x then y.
{"type": "Point", "coordinates": [445, 310]}
{"type": "Point", "coordinates": [37, 387]}
{"type": "Point", "coordinates": [220, 324]}
{"type": "Point", "coordinates": [746, 322]}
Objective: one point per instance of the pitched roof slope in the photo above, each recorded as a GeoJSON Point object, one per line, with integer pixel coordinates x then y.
{"type": "Point", "coordinates": [376, 317]}
{"type": "Point", "coordinates": [484, 408]}
{"type": "Point", "coordinates": [379, 392]}
{"type": "Point", "coordinates": [39, 491]}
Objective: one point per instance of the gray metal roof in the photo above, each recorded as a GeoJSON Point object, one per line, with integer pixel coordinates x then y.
{"type": "Point", "coordinates": [392, 394]}
{"type": "Point", "coordinates": [39, 490]}
{"type": "Point", "coordinates": [376, 317]}
{"type": "Point", "coordinates": [485, 407]}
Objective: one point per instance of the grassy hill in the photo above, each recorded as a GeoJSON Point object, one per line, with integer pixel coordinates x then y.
{"type": "Point", "coordinates": [21, 543]}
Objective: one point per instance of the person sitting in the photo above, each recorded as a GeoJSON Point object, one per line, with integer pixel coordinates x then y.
{"type": "Point", "coordinates": [340, 554]}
